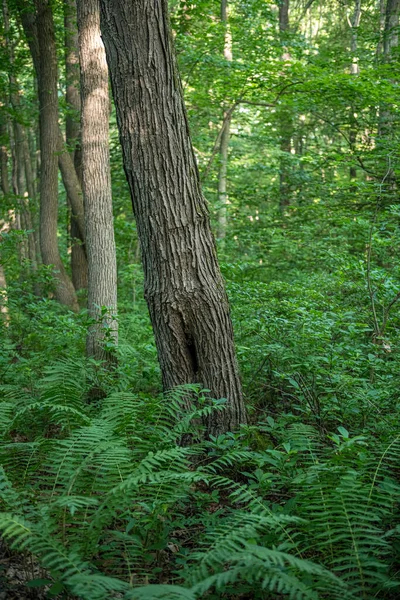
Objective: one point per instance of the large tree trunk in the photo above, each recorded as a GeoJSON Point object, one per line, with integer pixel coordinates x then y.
{"type": "Point", "coordinates": [100, 243]}
{"type": "Point", "coordinates": [184, 288]}
{"type": "Point", "coordinates": [48, 105]}
{"type": "Point", "coordinates": [72, 130]}
{"type": "Point", "coordinates": [226, 133]}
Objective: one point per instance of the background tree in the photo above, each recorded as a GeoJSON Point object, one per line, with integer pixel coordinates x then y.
{"type": "Point", "coordinates": [49, 144]}
{"type": "Point", "coordinates": [225, 133]}
{"type": "Point", "coordinates": [96, 176]}
{"type": "Point", "coordinates": [72, 136]}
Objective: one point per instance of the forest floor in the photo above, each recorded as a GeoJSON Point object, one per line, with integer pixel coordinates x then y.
{"type": "Point", "coordinates": [14, 574]}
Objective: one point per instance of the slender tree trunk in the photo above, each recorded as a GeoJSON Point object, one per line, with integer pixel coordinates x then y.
{"type": "Point", "coordinates": [71, 185]}
{"type": "Point", "coordinates": [3, 296]}
{"type": "Point", "coordinates": [5, 186]}
{"type": "Point", "coordinates": [387, 124]}
{"type": "Point", "coordinates": [382, 10]}
{"type": "Point", "coordinates": [78, 253]}
{"type": "Point", "coordinates": [225, 136]}
{"type": "Point", "coordinates": [354, 70]}
{"type": "Point", "coordinates": [68, 172]}
{"type": "Point", "coordinates": [285, 120]}
{"type": "Point", "coordinates": [30, 176]}
{"type": "Point", "coordinates": [5, 317]}
{"type": "Point", "coordinates": [4, 143]}
{"type": "Point", "coordinates": [48, 116]}
{"type": "Point", "coordinates": [184, 288]}
{"type": "Point", "coordinates": [100, 243]}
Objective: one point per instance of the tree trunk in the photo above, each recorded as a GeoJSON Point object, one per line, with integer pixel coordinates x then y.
{"type": "Point", "coordinates": [4, 142]}
{"type": "Point", "coordinates": [184, 288]}
{"type": "Point", "coordinates": [48, 118]}
{"type": "Point", "coordinates": [387, 115]}
{"type": "Point", "coordinates": [68, 171]}
{"type": "Point", "coordinates": [71, 185]}
{"type": "Point", "coordinates": [226, 133]}
{"type": "Point", "coordinates": [3, 296]}
{"type": "Point", "coordinates": [72, 130]}
{"type": "Point", "coordinates": [354, 70]}
{"type": "Point", "coordinates": [285, 120]}
{"type": "Point", "coordinates": [100, 243]}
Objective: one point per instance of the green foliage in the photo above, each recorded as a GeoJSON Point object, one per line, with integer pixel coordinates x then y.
{"type": "Point", "coordinates": [109, 502]}
{"type": "Point", "coordinates": [123, 497]}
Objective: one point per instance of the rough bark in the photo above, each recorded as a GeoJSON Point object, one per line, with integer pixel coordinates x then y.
{"type": "Point", "coordinates": [72, 134]}
{"type": "Point", "coordinates": [184, 288]}
{"type": "Point", "coordinates": [48, 120]}
{"type": "Point", "coordinates": [100, 243]}
{"type": "Point", "coordinates": [226, 132]}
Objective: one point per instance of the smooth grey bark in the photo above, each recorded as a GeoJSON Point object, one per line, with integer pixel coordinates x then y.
{"type": "Point", "coordinates": [49, 144]}
{"type": "Point", "coordinates": [184, 288]}
{"type": "Point", "coordinates": [96, 176]}
{"type": "Point", "coordinates": [226, 132]}
{"type": "Point", "coordinates": [72, 135]}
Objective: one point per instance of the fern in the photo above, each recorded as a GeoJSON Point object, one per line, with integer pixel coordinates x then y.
{"type": "Point", "coordinates": [107, 500]}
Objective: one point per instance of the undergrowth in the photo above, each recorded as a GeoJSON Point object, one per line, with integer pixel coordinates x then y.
{"type": "Point", "coordinates": [112, 503]}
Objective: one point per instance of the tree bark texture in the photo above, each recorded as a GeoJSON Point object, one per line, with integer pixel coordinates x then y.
{"type": "Point", "coordinates": [184, 288]}
{"type": "Point", "coordinates": [226, 133]}
{"type": "Point", "coordinates": [48, 105]}
{"type": "Point", "coordinates": [100, 243]}
{"type": "Point", "coordinates": [72, 131]}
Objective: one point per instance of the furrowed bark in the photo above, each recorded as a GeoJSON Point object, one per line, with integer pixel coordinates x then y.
{"type": "Point", "coordinates": [184, 288]}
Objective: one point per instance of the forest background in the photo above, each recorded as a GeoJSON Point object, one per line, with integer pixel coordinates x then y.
{"type": "Point", "coordinates": [117, 490]}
